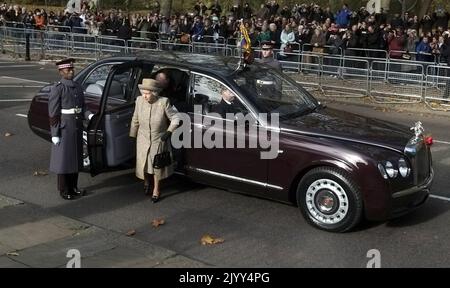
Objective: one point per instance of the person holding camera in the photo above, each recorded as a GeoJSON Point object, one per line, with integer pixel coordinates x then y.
{"type": "Point", "coordinates": [216, 9]}
{"type": "Point", "coordinates": [427, 24]}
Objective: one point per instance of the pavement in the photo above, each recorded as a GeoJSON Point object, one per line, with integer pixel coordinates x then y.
{"type": "Point", "coordinates": [31, 236]}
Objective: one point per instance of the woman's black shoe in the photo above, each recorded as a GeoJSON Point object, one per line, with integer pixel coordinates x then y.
{"type": "Point", "coordinates": [155, 198]}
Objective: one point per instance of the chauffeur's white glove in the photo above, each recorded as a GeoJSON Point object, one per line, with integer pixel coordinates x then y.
{"type": "Point", "coordinates": [56, 140]}
{"type": "Point", "coordinates": [90, 116]}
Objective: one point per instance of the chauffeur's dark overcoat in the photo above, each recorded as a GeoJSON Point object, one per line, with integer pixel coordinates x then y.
{"type": "Point", "coordinates": [67, 156]}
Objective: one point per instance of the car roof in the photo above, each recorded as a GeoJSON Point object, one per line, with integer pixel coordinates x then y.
{"type": "Point", "coordinates": [210, 64]}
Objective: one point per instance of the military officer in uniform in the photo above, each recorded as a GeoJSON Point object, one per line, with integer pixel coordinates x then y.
{"type": "Point", "coordinates": [267, 55]}
{"type": "Point", "coordinates": [66, 109]}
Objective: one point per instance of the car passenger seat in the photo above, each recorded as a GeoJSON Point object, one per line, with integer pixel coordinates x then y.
{"type": "Point", "coordinates": [94, 89]}
{"type": "Point", "coordinates": [201, 99]}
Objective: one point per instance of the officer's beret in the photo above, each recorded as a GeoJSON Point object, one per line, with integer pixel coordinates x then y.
{"type": "Point", "coordinates": [65, 63]}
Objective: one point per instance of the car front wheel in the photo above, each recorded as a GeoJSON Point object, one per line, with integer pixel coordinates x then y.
{"type": "Point", "coordinates": [329, 199]}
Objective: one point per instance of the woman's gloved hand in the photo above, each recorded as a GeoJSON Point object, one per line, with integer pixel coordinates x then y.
{"type": "Point", "coordinates": [166, 135]}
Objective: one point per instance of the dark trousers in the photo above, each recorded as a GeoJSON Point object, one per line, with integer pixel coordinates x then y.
{"type": "Point", "coordinates": [67, 182]}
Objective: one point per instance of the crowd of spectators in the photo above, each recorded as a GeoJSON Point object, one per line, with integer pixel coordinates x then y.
{"type": "Point", "coordinates": [306, 26]}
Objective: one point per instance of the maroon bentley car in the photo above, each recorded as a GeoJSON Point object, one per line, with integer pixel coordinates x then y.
{"type": "Point", "coordinates": [337, 167]}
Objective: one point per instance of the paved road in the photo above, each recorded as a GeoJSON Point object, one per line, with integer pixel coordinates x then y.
{"type": "Point", "coordinates": [257, 232]}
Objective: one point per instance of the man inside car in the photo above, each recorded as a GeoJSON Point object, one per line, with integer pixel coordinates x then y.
{"type": "Point", "coordinates": [227, 104]}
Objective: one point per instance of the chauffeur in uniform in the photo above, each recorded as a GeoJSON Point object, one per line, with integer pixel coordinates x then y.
{"type": "Point", "coordinates": [66, 109]}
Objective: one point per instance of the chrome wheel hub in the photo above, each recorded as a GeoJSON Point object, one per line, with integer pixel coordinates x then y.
{"type": "Point", "coordinates": [327, 201]}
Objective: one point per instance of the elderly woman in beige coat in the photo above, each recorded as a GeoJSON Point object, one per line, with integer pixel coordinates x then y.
{"type": "Point", "coordinates": [153, 122]}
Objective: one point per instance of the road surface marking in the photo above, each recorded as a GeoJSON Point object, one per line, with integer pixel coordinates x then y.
{"type": "Point", "coordinates": [17, 66]}
{"type": "Point", "coordinates": [442, 142]}
{"type": "Point", "coordinates": [439, 197]}
{"type": "Point", "coordinates": [15, 100]}
{"type": "Point", "coordinates": [22, 115]}
{"type": "Point", "coordinates": [20, 86]}
{"type": "Point", "coordinates": [22, 79]}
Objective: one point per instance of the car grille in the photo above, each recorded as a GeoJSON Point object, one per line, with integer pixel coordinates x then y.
{"type": "Point", "coordinates": [421, 163]}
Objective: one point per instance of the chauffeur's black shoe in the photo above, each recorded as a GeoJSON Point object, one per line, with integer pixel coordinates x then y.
{"type": "Point", "coordinates": [66, 195]}
{"type": "Point", "coordinates": [79, 192]}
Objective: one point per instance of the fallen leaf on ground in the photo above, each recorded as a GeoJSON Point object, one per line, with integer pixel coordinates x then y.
{"type": "Point", "coordinates": [40, 173]}
{"type": "Point", "coordinates": [158, 222]}
{"type": "Point", "coordinates": [7, 134]}
{"type": "Point", "coordinates": [12, 254]}
{"type": "Point", "coordinates": [131, 232]}
{"type": "Point", "coordinates": [210, 240]}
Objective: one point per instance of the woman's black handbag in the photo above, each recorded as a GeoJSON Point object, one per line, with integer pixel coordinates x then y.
{"type": "Point", "coordinates": [162, 158]}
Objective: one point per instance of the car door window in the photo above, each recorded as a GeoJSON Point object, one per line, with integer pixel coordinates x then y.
{"type": "Point", "coordinates": [208, 93]}
{"type": "Point", "coordinates": [118, 90]}
{"type": "Point", "coordinates": [95, 82]}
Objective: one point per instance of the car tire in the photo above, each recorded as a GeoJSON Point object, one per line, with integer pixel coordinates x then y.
{"type": "Point", "coordinates": [329, 199]}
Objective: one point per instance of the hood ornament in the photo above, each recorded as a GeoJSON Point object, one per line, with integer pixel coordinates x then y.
{"type": "Point", "coordinates": [418, 130]}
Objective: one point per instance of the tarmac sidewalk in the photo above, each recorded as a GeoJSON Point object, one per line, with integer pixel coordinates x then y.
{"type": "Point", "coordinates": [31, 236]}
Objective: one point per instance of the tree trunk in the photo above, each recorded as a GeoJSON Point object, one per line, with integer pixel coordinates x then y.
{"type": "Point", "coordinates": [166, 7]}
{"type": "Point", "coordinates": [403, 7]}
{"type": "Point", "coordinates": [424, 7]}
{"type": "Point", "coordinates": [334, 5]}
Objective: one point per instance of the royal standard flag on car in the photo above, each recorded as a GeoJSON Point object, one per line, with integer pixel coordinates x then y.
{"type": "Point", "coordinates": [246, 43]}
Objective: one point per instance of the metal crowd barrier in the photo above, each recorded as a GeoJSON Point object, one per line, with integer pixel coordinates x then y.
{"type": "Point", "coordinates": [59, 28]}
{"type": "Point", "coordinates": [141, 44]}
{"type": "Point", "coordinates": [398, 83]}
{"type": "Point", "coordinates": [310, 72]}
{"type": "Point", "coordinates": [385, 80]}
{"type": "Point", "coordinates": [345, 76]}
{"type": "Point", "coordinates": [366, 54]}
{"type": "Point", "coordinates": [437, 87]}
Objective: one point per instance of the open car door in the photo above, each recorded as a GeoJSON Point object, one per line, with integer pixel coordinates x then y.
{"type": "Point", "coordinates": [109, 146]}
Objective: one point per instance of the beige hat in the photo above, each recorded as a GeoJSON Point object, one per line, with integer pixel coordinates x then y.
{"type": "Point", "coordinates": [150, 84]}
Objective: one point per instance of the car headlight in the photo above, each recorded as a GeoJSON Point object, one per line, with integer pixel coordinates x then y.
{"type": "Point", "coordinates": [382, 171]}
{"type": "Point", "coordinates": [403, 168]}
{"type": "Point", "coordinates": [390, 170]}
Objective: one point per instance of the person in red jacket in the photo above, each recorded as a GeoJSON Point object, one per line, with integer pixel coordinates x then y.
{"type": "Point", "coordinates": [396, 44]}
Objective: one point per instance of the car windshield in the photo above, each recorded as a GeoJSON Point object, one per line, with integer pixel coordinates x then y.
{"type": "Point", "coordinates": [271, 92]}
